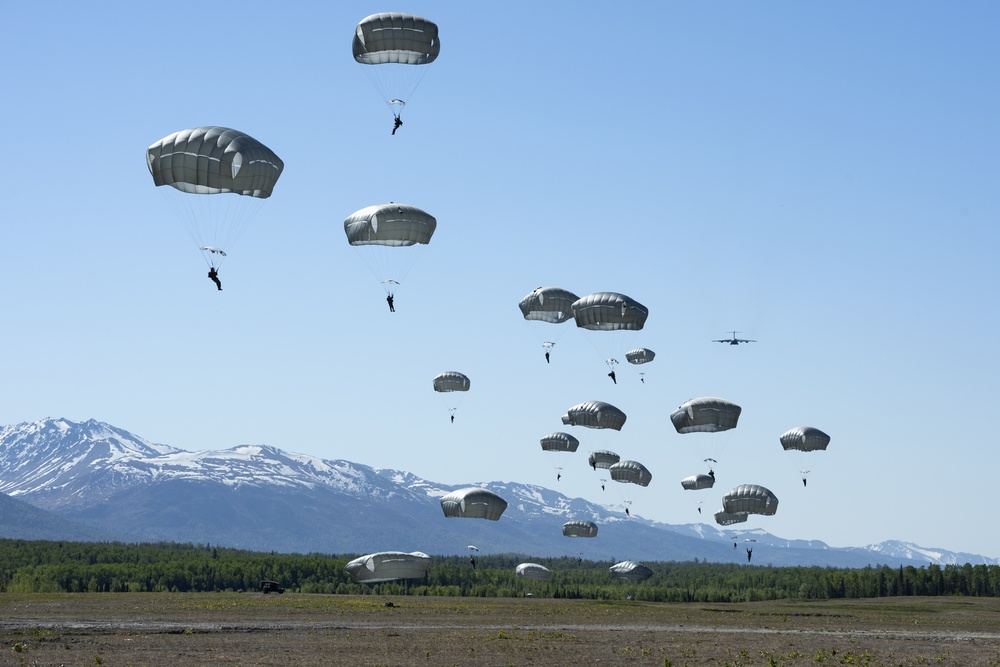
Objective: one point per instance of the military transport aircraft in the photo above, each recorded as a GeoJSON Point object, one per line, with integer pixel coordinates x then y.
{"type": "Point", "coordinates": [734, 340]}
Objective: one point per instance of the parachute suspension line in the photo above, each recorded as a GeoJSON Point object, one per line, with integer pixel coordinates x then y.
{"type": "Point", "coordinates": [191, 217]}
{"type": "Point", "coordinates": [389, 265]}
{"type": "Point", "coordinates": [606, 344]}
{"type": "Point", "coordinates": [625, 502]}
{"type": "Point", "coordinates": [708, 449]}
{"type": "Point", "coordinates": [395, 83]}
{"type": "Point", "coordinates": [602, 476]}
{"type": "Point", "coordinates": [215, 221]}
{"type": "Point", "coordinates": [420, 78]}
{"type": "Point", "coordinates": [390, 287]}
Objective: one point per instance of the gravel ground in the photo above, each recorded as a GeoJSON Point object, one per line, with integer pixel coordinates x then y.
{"type": "Point", "coordinates": [253, 629]}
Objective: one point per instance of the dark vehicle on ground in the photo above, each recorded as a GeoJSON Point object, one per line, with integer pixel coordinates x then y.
{"type": "Point", "coordinates": [271, 587]}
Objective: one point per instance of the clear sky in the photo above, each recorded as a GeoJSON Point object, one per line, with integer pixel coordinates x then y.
{"type": "Point", "coordinates": [822, 177]}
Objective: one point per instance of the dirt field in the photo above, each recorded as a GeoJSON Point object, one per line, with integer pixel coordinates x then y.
{"type": "Point", "coordinates": [253, 629]}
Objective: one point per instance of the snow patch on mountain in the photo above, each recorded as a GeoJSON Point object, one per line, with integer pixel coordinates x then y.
{"type": "Point", "coordinates": [910, 551]}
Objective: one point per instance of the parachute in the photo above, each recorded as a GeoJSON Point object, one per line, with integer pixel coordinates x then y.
{"type": "Point", "coordinates": [602, 458]}
{"type": "Point", "coordinates": [394, 47]}
{"type": "Point", "coordinates": [451, 381]}
{"type": "Point", "coordinates": [384, 235]}
{"type": "Point", "coordinates": [579, 529]}
{"type": "Point", "coordinates": [388, 566]}
{"type": "Point", "coordinates": [213, 160]}
{"type": "Point", "coordinates": [473, 503]}
{"type": "Point", "coordinates": [551, 305]}
{"type": "Point", "coordinates": [448, 382]}
{"type": "Point", "coordinates": [595, 414]}
{"type": "Point", "coordinates": [631, 472]}
{"type": "Point", "coordinates": [640, 355]}
{"type": "Point", "coordinates": [533, 572]}
{"type": "Point", "coordinates": [698, 482]}
{"type": "Point", "coordinates": [724, 518]}
{"type": "Point", "coordinates": [609, 312]}
{"type": "Point", "coordinates": [548, 304]}
{"type": "Point", "coordinates": [705, 415]}
{"type": "Point", "coordinates": [560, 442]}
{"type": "Point", "coordinates": [751, 499]}
{"type": "Point", "coordinates": [630, 571]}
{"type": "Point", "coordinates": [804, 439]}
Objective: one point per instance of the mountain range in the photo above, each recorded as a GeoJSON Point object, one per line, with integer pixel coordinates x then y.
{"type": "Point", "coordinates": [91, 481]}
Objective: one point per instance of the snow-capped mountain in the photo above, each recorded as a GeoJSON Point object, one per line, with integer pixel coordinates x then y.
{"type": "Point", "coordinates": [263, 498]}
{"type": "Point", "coordinates": [60, 463]}
{"type": "Point", "coordinates": [910, 551]}
{"type": "Point", "coordinates": [59, 458]}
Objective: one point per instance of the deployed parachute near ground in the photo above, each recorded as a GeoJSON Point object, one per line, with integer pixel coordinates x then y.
{"type": "Point", "coordinates": [602, 458]}
{"type": "Point", "coordinates": [214, 160]}
{"type": "Point", "coordinates": [451, 381]}
{"type": "Point", "coordinates": [595, 414]}
{"type": "Point", "coordinates": [632, 472]}
{"type": "Point", "coordinates": [631, 571]}
{"type": "Point", "coordinates": [751, 499]}
{"type": "Point", "coordinates": [705, 415]}
{"type": "Point", "coordinates": [395, 48]}
{"type": "Point", "coordinates": [724, 518]}
{"type": "Point", "coordinates": [698, 482]}
{"type": "Point", "coordinates": [640, 355]}
{"type": "Point", "coordinates": [804, 439]}
{"type": "Point", "coordinates": [473, 503]}
{"type": "Point", "coordinates": [388, 566]}
{"type": "Point", "coordinates": [533, 571]}
{"type": "Point", "coordinates": [560, 442]}
{"type": "Point", "coordinates": [580, 529]}
{"type": "Point", "coordinates": [385, 236]}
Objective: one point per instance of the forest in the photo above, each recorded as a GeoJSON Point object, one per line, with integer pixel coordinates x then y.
{"type": "Point", "coordinates": [28, 566]}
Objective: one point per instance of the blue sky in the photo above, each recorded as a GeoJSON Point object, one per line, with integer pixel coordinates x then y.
{"type": "Point", "coordinates": [821, 177]}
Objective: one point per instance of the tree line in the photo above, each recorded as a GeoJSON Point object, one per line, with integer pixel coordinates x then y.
{"type": "Point", "coordinates": [28, 566]}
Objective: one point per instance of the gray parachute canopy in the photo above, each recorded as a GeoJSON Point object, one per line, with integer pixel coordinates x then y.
{"type": "Point", "coordinates": [392, 224]}
{"type": "Point", "coordinates": [533, 571]}
{"type": "Point", "coordinates": [603, 458]}
{"type": "Point", "coordinates": [640, 355]}
{"type": "Point", "coordinates": [705, 415]}
{"type": "Point", "coordinates": [548, 304]}
{"type": "Point", "coordinates": [750, 498]}
{"type": "Point", "coordinates": [580, 529]}
{"type": "Point", "coordinates": [473, 503]}
{"type": "Point", "coordinates": [609, 311]}
{"type": "Point", "coordinates": [724, 518]}
{"type": "Point", "coordinates": [451, 381]}
{"type": "Point", "coordinates": [595, 414]}
{"type": "Point", "coordinates": [560, 442]}
{"type": "Point", "coordinates": [631, 571]}
{"type": "Point", "coordinates": [213, 160]}
{"type": "Point", "coordinates": [631, 472]}
{"type": "Point", "coordinates": [394, 37]}
{"type": "Point", "coordinates": [698, 482]}
{"type": "Point", "coordinates": [804, 439]}
{"type": "Point", "coordinates": [388, 566]}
